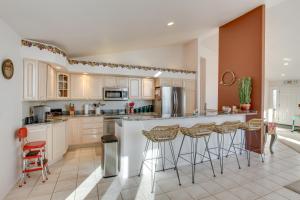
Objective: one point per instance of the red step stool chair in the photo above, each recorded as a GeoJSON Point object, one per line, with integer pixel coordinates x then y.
{"type": "Point", "coordinates": [33, 157]}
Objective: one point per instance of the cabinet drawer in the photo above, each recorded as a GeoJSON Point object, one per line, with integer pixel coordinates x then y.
{"type": "Point", "coordinates": [91, 125]}
{"type": "Point", "coordinates": [92, 120]}
{"type": "Point", "coordinates": [91, 131]}
{"type": "Point", "coordinates": [85, 139]}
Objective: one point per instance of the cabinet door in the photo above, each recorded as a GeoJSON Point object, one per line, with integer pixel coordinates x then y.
{"type": "Point", "coordinates": [30, 80]}
{"type": "Point", "coordinates": [177, 83]}
{"type": "Point", "coordinates": [163, 82]}
{"type": "Point", "coordinates": [59, 139]}
{"type": "Point", "coordinates": [122, 82]}
{"type": "Point", "coordinates": [77, 86]}
{"type": "Point", "coordinates": [73, 131]}
{"type": "Point", "coordinates": [148, 88]}
{"type": "Point", "coordinates": [42, 81]}
{"type": "Point", "coordinates": [110, 82]}
{"type": "Point", "coordinates": [63, 85]}
{"type": "Point", "coordinates": [135, 88]}
{"type": "Point", "coordinates": [44, 133]}
{"type": "Point", "coordinates": [190, 91]}
{"type": "Point", "coordinates": [91, 130]}
{"type": "Point", "coordinates": [93, 87]}
{"type": "Point", "coordinates": [51, 83]}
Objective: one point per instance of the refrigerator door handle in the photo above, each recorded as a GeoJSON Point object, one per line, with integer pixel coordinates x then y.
{"type": "Point", "coordinates": [176, 102]}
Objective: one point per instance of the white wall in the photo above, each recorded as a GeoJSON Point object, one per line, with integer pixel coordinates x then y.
{"type": "Point", "coordinates": [168, 57]}
{"type": "Point", "coordinates": [11, 109]}
{"type": "Point", "coordinates": [190, 54]}
{"type": "Point", "coordinates": [209, 50]}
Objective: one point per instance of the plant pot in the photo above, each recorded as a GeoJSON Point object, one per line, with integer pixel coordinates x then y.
{"type": "Point", "coordinates": [245, 107]}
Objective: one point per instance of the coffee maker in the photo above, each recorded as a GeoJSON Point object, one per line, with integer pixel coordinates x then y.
{"type": "Point", "coordinates": [41, 112]}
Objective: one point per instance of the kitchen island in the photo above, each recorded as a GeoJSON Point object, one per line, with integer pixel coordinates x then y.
{"type": "Point", "coordinates": [132, 141]}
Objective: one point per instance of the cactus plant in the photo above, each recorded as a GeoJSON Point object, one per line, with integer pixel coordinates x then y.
{"type": "Point", "coordinates": [245, 89]}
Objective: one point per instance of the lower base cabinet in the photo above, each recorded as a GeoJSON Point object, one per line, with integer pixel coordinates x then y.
{"type": "Point", "coordinates": [55, 137]}
{"type": "Point", "coordinates": [59, 140]}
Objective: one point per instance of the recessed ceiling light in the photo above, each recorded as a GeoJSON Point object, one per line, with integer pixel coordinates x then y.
{"type": "Point", "coordinates": [282, 75]}
{"type": "Point", "coordinates": [286, 64]}
{"type": "Point", "coordinates": [170, 24]}
{"type": "Point", "coordinates": [287, 59]}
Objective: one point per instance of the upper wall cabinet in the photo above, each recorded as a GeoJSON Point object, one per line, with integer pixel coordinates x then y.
{"type": "Point", "coordinates": [147, 88]}
{"type": "Point", "coordinates": [109, 82]}
{"type": "Point", "coordinates": [51, 83]}
{"type": "Point", "coordinates": [35, 80]}
{"type": "Point", "coordinates": [30, 80]}
{"type": "Point", "coordinates": [42, 81]}
{"type": "Point", "coordinates": [93, 87]}
{"type": "Point", "coordinates": [77, 86]}
{"type": "Point", "coordinates": [135, 88]}
{"type": "Point", "coordinates": [63, 85]}
{"type": "Point", "coordinates": [122, 82]}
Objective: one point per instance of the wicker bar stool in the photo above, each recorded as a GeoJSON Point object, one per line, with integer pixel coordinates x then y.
{"type": "Point", "coordinates": [160, 135]}
{"type": "Point", "coordinates": [229, 127]}
{"type": "Point", "coordinates": [196, 132]}
{"type": "Point", "coordinates": [251, 126]}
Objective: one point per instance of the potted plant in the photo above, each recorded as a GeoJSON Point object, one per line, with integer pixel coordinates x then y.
{"type": "Point", "coordinates": [245, 89]}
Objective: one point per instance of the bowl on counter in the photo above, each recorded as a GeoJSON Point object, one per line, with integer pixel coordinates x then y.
{"type": "Point", "coordinates": [226, 109]}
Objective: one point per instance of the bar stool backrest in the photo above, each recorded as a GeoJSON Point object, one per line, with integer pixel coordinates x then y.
{"type": "Point", "coordinates": [204, 125]}
{"type": "Point", "coordinates": [197, 131]}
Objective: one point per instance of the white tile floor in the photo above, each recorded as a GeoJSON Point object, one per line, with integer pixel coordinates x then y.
{"type": "Point", "coordinates": [78, 176]}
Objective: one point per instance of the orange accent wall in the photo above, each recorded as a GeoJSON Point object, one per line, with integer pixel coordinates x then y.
{"type": "Point", "coordinates": [242, 50]}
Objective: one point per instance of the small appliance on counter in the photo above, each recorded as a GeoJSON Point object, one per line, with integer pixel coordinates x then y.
{"type": "Point", "coordinates": [71, 109]}
{"type": "Point", "coordinates": [41, 112]}
{"type": "Point", "coordinates": [86, 109]}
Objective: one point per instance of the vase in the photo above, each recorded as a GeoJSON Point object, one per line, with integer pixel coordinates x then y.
{"type": "Point", "coordinates": [245, 107]}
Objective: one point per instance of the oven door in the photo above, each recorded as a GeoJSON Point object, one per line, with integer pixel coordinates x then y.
{"type": "Point", "coordinates": [116, 94]}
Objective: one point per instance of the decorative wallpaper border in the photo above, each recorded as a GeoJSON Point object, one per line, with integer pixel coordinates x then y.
{"type": "Point", "coordinates": [56, 50]}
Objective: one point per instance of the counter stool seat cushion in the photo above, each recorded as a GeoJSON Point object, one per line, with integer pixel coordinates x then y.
{"type": "Point", "coordinates": [196, 132]}
{"type": "Point", "coordinates": [34, 145]}
{"type": "Point", "coordinates": [161, 135]}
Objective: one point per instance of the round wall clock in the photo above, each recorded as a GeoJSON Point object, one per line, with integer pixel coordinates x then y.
{"type": "Point", "coordinates": [7, 69]}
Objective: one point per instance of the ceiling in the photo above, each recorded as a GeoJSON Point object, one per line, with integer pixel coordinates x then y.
{"type": "Point", "coordinates": [90, 27]}
{"type": "Point", "coordinates": [283, 40]}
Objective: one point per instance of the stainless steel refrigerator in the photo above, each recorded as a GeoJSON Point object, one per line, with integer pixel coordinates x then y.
{"type": "Point", "coordinates": [169, 101]}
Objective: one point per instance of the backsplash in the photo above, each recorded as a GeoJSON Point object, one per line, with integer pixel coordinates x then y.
{"type": "Point", "coordinates": [109, 105]}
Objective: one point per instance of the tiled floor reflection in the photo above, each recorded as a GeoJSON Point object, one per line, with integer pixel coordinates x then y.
{"type": "Point", "coordinates": [78, 176]}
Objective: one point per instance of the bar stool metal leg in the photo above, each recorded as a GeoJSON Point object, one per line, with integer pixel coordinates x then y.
{"type": "Point", "coordinates": [194, 160]}
{"type": "Point", "coordinates": [174, 160]}
{"type": "Point", "coordinates": [237, 159]}
{"type": "Point", "coordinates": [206, 147]}
{"type": "Point", "coordinates": [155, 164]}
{"type": "Point", "coordinates": [221, 149]}
{"type": "Point", "coordinates": [180, 149]}
{"type": "Point", "coordinates": [144, 156]}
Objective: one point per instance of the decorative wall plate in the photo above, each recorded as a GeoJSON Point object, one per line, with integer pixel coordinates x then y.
{"type": "Point", "coordinates": [230, 80]}
{"type": "Point", "coordinates": [7, 68]}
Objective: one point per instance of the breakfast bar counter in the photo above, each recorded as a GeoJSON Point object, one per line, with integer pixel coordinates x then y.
{"type": "Point", "coordinates": [132, 141]}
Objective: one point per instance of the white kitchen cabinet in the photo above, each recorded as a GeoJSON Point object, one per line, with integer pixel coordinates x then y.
{"type": "Point", "coordinates": [59, 140]}
{"type": "Point", "coordinates": [135, 88]}
{"type": "Point", "coordinates": [42, 81]}
{"type": "Point", "coordinates": [77, 86]}
{"type": "Point", "coordinates": [51, 83]}
{"type": "Point", "coordinates": [147, 88]}
{"type": "Point", "coordinates": [42, 133]}
{"type": "Point", "coordinates": [91, 129]}
{"type": "Point", "coordinates": [109, 81]}
{"type": "Point", "coordinates": [93, 87]}
{"type": "Point", "coordinates": [30, 80]}
{"type": "Point", "coordinates": [63, 85]}
{"type": "Point", "coordinates": [73, 131]}
{"type": "Point", "coordinates": [122, 82]}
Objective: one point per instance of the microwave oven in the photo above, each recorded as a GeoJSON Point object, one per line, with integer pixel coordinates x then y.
{"type": "Point", "coordinates": [115, 94]}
